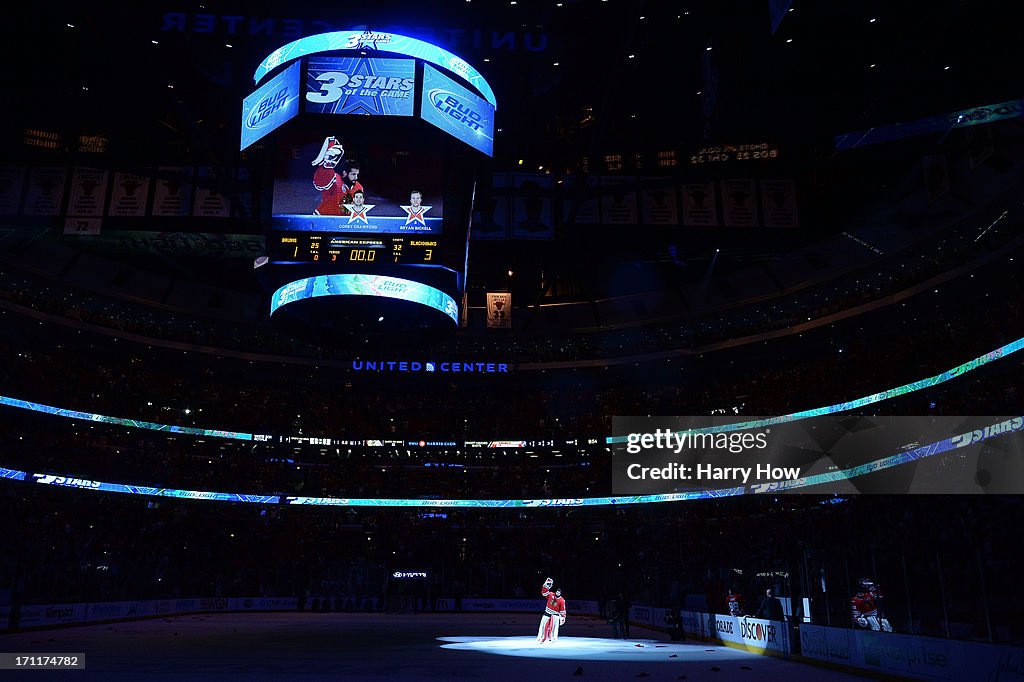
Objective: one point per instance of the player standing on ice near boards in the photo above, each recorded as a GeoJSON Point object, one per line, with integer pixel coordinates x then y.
{"type": "Point", "coordinates": [554, 613]}
{"type": "Point", "coordinates": [866, 607]}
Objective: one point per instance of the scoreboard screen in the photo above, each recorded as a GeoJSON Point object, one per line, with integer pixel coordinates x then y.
{"type": "Point", "coordinates": [358, 192]}
{"type": "Point", "coordinates": [347, 176]}
{"type": "Point", "coordinates": [373, 181]}
{"type": "Point", "coordinates": [346, 249]}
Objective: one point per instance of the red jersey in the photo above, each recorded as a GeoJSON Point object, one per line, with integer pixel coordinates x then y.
{"type": "Point", "coordinates": [331, 191]}
{"type": "Point", "coordinates": [735, 603]}
{"type": "Point", "coordinates": [865, 604]}
{"type": "Point", "coordinates": [348, 194]}
{"type": "Point", "coordinates": [555, 606]}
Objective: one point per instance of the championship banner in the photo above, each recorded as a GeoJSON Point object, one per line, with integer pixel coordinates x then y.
{"type": "Point", "coordinates": [499, 310]}
{"type": "Point", "coordinates": [88, 192]}
{"type": "Point", "coordinates": [12, 181]}
{"type": "Point", "coordinates": [658, 206]}
{"type": "Point", "coordinates": [579, 201]}
{"type": "Point", "coordinates": [490, 210]}
{"type": "Point", "coordinates": [171, 198]}
{"type": "Point", "coordinates": [532, 207]}
{"type": "Point", "coordinates": [208, 202]}
{"type": "Point", "coordinates": [618, 202]}
{"type": "Point", "coordinates": [46, 191]}
{"type": "Point", "coordinates": [129, 196]}
{"type": "Point", "coordinates": [778, 202]}
{"type": "Point", "coordinates": [699, 208]}
{"type": "Point", "coordinates": [242, 200]}
{"type": "Point", "coordinates": [739, 203]}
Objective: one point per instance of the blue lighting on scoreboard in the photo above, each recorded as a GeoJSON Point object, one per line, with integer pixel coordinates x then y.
{"type": "Point", "coordinates": [365, 285]}
{"type": "Point", "coordinates": [457, 111]}
{"type": "Point", "coordinates": [377, 42]}
{"type": "Point", "coordinates": [272, 105]}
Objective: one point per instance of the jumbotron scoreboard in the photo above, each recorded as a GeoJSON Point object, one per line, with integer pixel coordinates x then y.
{"type": "Point", "coordinates": [376, 141]}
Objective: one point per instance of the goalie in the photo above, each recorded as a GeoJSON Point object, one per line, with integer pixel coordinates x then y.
{"type": "Point", "coordinates": [554, 613]}
{"type": "Point", "coordinates": [866, 607]}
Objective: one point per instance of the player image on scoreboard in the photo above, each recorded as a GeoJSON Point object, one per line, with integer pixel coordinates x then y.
{"type": "Point", "coordinates": [332, 180]}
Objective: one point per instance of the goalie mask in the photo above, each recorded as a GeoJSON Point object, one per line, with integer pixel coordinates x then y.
{"type": "Point", "coordinates": [330, 153]}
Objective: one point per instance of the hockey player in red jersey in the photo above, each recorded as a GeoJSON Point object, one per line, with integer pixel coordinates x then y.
{"type": "Point", "coordinates": [326, 179]}
{"type": "Point", "coordinates": [735, 602]}
{"type": "Point", "coordinates": [866, 607]}
{"type": "Point", "coordinates": [350, 185]}
{"type": "Point", "coordinates": [554, 613]}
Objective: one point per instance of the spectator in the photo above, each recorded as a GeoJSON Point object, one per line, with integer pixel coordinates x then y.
{"type": "Point", "coordinates": [770, 608]}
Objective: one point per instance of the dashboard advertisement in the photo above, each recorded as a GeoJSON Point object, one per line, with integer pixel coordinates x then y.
{"type": "Point", "coordinates": [273, 104]}
{"type": "Point", "coordinates": [360, 85]}
{"type": "Point", "coordinates": [457, 111]}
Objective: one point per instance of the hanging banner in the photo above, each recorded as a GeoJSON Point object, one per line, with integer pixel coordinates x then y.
{"type": "Point", "coordinates": [490, 209]}
{"type": "Point", "coordinates": [242, 198]}
{"type": "Point", "coordinates": [46, 191]}
{"type": "Point", "coordinates": [739, 203]}
{"type": "Point", "coordinates": [499, 310]}
{"type": "Point", "coordinates": [699, 208]}
{"type": "Point", "coordinates": [658, 206]}
{"type": "Point", "coordinates": [209, 203]}
{"type": "Point", "coordinates": [532, 207]}
{"type": "Point", "coordinates": [88, 192]}
{"type": "Point", "coordinates": [129, 195]}
{"type": "Point", "coordinates": [618, 201]}
{"type": "Point", "coordinates": [778, 203]}
{"type": "Point", "coordinates": [579, 201]}
{"type": "Point", "coordinates": [172, 195]}
{"type": "Point", "coordinates": [12, 181]}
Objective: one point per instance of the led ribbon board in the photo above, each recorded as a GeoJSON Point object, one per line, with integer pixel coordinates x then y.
{"type": "Point", "coordinates": [861, 402]}
{"type": "Point", "coordinates": [1015, 425]}
{"type": "Point", "coordinates": [382, 42]}
{"type": "Point", "coordinates": [985, 359]}
{"type": "Point", "coordinates": [270, 106]}
{"type": "Point", "coordinates": [457, 111]}
{"type": "Point", "coordinates": [120, 421]}
{"type": "Point", "coordinates": [365, 285]}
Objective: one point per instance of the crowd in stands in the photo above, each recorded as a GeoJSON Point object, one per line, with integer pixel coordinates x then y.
{"type": "Point", "coordinates": [964, 243]}
{"type": "Point", "coordinates": [947, 564]}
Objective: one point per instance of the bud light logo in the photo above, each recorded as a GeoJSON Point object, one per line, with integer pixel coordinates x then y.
{"type": "Point", "coordinates": [451, 105]}
{"type": "Point", "coordinates": [266, 108]}
{"type": "Point", "coordinates": [273, 104]}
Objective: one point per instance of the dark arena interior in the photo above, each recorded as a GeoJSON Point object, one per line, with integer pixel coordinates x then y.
{"type": "Point", "coordinates": [542, 339]}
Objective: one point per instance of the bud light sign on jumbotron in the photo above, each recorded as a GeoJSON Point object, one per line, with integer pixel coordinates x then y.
{"type": "Point", "coordinates": [457, 111]}
{"type": "Point", "coordinates": [272, 105]}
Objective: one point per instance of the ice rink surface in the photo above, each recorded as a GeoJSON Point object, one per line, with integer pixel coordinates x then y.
{"type": "Point", "coordinates": [344, 646]}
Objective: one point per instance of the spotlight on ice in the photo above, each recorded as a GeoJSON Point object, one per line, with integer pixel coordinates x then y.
{"type": "Point", "coordinates": [595, 649]}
